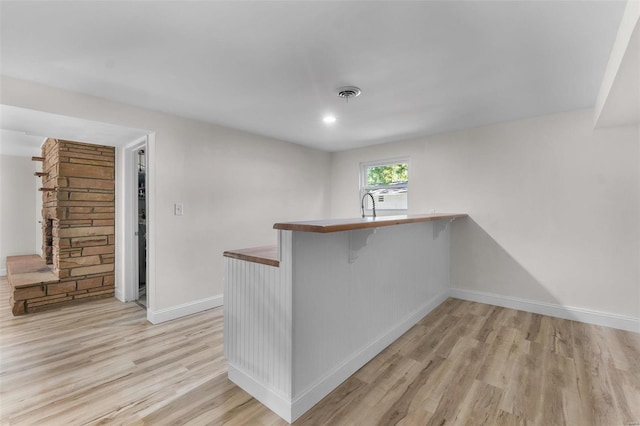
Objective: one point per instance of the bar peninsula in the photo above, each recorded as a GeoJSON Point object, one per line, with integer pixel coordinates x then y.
{"type": "Point", "coordinates": [302, 316]}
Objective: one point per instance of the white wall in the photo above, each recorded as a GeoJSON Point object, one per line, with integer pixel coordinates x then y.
{"type": "Point", "coordinates": [18, 187]}
{"type": "Point", "coordinates": [553, 205]}
{"type": "Point", "coordinates": [234, 187]}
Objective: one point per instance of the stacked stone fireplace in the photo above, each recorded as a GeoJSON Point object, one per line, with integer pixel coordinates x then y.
{"type": "Point", "coordinates": [78, 218]}
{"type": "Point", "coordinates": [80, 209]}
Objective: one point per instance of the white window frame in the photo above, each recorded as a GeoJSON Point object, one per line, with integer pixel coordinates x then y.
{"type": "Point", "coordinates": [364, 187]}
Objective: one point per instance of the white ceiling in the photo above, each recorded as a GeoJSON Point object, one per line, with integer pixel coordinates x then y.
{"type": "Point", "coordinates": [23, 131]}
{"type": "Point", "coordinates": [19, 143]}
{"type": "Point", "coordinates": [273, 68]}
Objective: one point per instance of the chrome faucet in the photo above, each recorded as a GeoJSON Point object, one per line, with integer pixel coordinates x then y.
{"type": "Point", "coordinates": [373, 203]}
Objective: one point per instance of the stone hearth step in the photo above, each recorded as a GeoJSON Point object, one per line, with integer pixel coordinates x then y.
{"type": "Point", "coordinates": [27, 276]}
{"type": "Point", "coordinates": [29, 270]}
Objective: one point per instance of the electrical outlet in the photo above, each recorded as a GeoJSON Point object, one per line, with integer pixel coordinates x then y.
{"type": "Point", "coordinates": [177, 209]}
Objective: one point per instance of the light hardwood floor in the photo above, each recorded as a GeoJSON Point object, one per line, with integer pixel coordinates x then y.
{"type": "Point", "coordinates": [465, 363]}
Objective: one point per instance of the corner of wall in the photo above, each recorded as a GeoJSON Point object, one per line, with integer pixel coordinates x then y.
{"type": "Point", "coordinates": [621, 50]}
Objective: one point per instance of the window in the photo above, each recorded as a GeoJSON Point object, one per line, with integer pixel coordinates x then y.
{"type": "Point", "coordinates": [388, 182]}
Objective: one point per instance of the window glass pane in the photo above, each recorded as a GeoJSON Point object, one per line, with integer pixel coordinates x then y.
{"type": "Point", "coordinates": [388, 183]}
{"type": "Point", "coordinates": [390, 174]}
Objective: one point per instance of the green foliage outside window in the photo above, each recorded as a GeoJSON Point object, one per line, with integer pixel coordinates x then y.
{"type": "Point", "coordinates": [387, 175]}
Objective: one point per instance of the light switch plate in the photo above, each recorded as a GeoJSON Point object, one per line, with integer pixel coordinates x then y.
{"type": "Point", "coordinates": [177, 209]}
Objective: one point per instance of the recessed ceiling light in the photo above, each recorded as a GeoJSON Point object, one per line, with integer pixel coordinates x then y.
{"type": "Point", "coordinates": [329, 119]}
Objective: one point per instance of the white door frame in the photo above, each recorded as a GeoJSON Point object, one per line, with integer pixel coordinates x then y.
{"type": "Point", "coordinates": [127, 221]}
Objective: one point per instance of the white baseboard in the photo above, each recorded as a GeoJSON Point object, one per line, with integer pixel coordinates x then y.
{"type": "Point", "coordinates": [3, 272]}
{"type": "Point", "coordinates": [551, 309]}
{"type": "Point", "coordinates": [272, 400]}
{"type": "Point", "coordinates": [168, 314]}
{"type": "Point", "coordinates": [119, 295]}
{"type": "Point", "coordinates": [314, 393]}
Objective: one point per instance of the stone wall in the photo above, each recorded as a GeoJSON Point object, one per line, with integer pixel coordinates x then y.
{"type": "Point", "coordinates": [78, 221]}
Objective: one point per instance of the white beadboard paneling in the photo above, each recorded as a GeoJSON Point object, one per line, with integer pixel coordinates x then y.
{"type": "Point", "coordinates": [258, 320]}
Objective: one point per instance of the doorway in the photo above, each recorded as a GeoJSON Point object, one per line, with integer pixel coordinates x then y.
{"type": "Point", "coordinates": [135, 227]}
{"type": "Point", "coordinates": [141, 233]}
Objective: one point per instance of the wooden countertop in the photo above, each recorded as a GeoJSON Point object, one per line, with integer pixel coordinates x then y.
{"type": "Point", "coordinates": [337, 225]}
{"type": "Point", "coordinates": [267, 255]}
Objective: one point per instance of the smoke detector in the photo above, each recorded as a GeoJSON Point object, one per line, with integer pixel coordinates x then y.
{"type": "Point", "coordinates": [348, 92]}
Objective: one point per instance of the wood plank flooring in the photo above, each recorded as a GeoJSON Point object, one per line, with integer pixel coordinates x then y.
{"type": "Point", "coordinates": [464, 364]}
